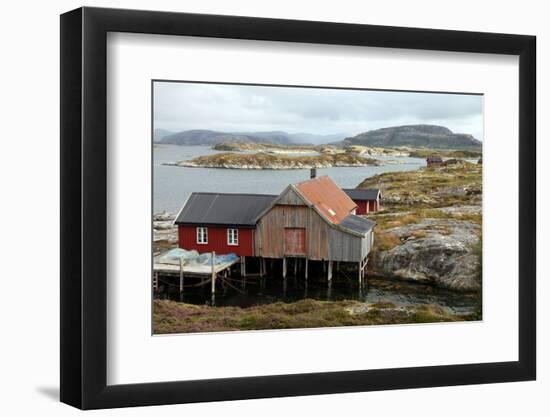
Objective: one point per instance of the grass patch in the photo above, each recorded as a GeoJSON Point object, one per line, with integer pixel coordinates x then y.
{"type": "Point", "coordinates": [425, 153]}
{"type": "Point", "coordinates": [429, 187]}
{"type": "Point", "coordinates": [173, 317]}
{"type": "Point", "coordinates": [385, 241]}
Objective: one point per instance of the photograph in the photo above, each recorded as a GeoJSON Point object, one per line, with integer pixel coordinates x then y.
{"type": "Point", "coordinates": [291, 207]}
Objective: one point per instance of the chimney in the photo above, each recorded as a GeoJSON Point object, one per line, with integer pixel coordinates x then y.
{"type": "Point", "coordinates": [312, 173]}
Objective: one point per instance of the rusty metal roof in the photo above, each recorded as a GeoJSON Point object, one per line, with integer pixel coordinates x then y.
{"type": "Point", "coordinates": [327, 197]}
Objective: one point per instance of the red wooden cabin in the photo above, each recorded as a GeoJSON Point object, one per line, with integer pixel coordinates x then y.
{"type": "Point", "coordinates": [223, 223]}
{"type": "Point", "coordinates": [367, 200]}
{"type": "Point", "coordinates": [434, 161]}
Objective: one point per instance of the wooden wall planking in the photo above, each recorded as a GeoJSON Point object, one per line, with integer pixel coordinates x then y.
{"type": "Point", "coordinates": [323, 242]}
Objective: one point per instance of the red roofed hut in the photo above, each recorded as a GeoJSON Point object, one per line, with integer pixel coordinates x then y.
{"type": "Point", "coordinates": [367, 200]}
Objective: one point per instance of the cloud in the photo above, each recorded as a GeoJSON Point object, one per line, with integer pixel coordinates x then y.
{"type": "Point", "coordinates": [226, 107]}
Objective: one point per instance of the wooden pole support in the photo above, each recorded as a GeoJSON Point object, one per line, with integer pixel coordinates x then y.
{"type": "Point", "coordinates": [305, 270]}
{"type": "Point", "coordinates": [329, 272]}
{"type": "Point", "coordinates": [284, 267]}
{"type": "Point", "coordinates": [262, 269]}
{"type": "Point", "coordinates": [213, 273]}
{"type": "Point", "coordinates": [181, 275]}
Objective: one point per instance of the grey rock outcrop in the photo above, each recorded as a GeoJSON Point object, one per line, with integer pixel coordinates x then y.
{"type": "Point", "coordinates": [438, 251]}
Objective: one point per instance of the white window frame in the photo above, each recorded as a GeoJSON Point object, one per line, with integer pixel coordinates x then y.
{"type": "Point", "coordinates": [235, 235]}
{"type": "Point", "coordinates": [202, 233]}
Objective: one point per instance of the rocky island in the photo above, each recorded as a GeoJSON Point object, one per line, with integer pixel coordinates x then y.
{"type": "Point", "coordinates": [430, 227]}
{"type": "Point", "coordinates": [263, 160]}
{"type": "Point", "coordinates": [327, 149]}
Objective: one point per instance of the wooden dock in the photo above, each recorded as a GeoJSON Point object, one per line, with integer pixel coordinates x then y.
{"type": "Point", "coordinates": [208, 273]}
{"type": "Point", "coordinates": [191, 270]}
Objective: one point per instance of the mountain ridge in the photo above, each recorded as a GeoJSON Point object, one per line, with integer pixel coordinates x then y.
{"type": "Point", "coordinates": [214, 137]}
{"type": "Point", "coordinates": [420, 136]}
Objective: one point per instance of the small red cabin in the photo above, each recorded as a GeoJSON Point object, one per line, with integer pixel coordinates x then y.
{"type": "Point", "coordinates": [223, 223]}
{"type": "Point", "coordinates": [367, 200]}
{"type": "Point", "coordinates": [434, 161]}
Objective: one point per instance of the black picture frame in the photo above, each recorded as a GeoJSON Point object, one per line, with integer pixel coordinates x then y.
{"type": "Point", "coordinates": [84, 207]}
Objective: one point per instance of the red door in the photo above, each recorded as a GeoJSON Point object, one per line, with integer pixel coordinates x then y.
{"type": "Point", "coordinates": [295, 241]}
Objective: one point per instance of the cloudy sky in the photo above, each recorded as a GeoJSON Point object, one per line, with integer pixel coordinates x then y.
{"type": "Point", "coordinates": [237, 108]}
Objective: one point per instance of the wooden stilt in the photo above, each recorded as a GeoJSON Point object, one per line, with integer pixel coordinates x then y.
{"type": "Point", "coordinates": [329, 273]}
{"type": "Point", "coordinates": [295, 267]}
{"type": "Point", "coordinates": [261, 268]}
{"type": "Point", "coordinates": [305, 270]}
{"type": "Point", "coordinates": [264, 266]}
{"type": "Point", "coordinates": [224, 280]}
{"type": "Point", "coordinates": [284, 267]}
{"type": "Point", "coordinates": [181, 275]}
{"type": "Point", "coordinates": [213, 289]}
{"type": "Point", "coordinates": [359, 273]}
{"type": "Point", "coordinates": [244, 266]}
{"type": "Point", "coordinates": [365, 282]}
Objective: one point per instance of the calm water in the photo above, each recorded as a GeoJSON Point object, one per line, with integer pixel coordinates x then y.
{"type": "Point", "coordinates": [172, 185]}
{"type": "Point", "coordinates": [400, 293]}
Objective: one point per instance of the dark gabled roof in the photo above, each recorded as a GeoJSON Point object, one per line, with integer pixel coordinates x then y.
{"type": "Point", "coordinates": [434, 159]}
{"type": "Point", "coordinates": [224, 209]}
{"type": "Point", "coordinates": [357, 194]}
{"type": "Point", "coordinates": [357, 224]}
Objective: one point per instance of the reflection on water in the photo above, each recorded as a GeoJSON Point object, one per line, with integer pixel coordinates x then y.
{"type": "Point", "coordinates": [172, 185]}
{"type": "Point", "coordinates": [274, 289]}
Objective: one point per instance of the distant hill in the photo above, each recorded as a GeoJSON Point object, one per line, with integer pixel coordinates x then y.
{"type": "Point", "coordinates": [311, 138]}
{"type": "Point", "coordinates": [416, 136]}
{"type": "Point", "coordinates": [211, 137]}
{"type": "Point", "coordinates": [160, 134]}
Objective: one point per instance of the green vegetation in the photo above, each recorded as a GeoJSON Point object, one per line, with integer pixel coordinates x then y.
{"type": "Point", "coordinates": [429, 188]}
{"type": "Point", "coordinates": [174, 317]}
{"type": "Point", "coordinates": [425, 153]}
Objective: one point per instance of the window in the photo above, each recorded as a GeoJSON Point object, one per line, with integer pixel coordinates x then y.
{"type": "Point", "coordinates": [202, 235]}
{"type": "Point", "coordinates": [232, 237]}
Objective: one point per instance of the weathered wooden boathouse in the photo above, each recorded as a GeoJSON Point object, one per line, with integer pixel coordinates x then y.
{"type": "Point", "coordinates": [367, 199]}
{"type": "Point", "coordinates": [313, 220]}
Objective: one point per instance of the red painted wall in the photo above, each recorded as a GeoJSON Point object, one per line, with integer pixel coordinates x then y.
{"type": "Point", "coordinates": [373, 206]}
{"type": "Point", "coordinates": [217, 241]}
{"type": "Point", "coordinates": [362, 207]}
{"type": "Point", "coordinates": [366, 207]}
